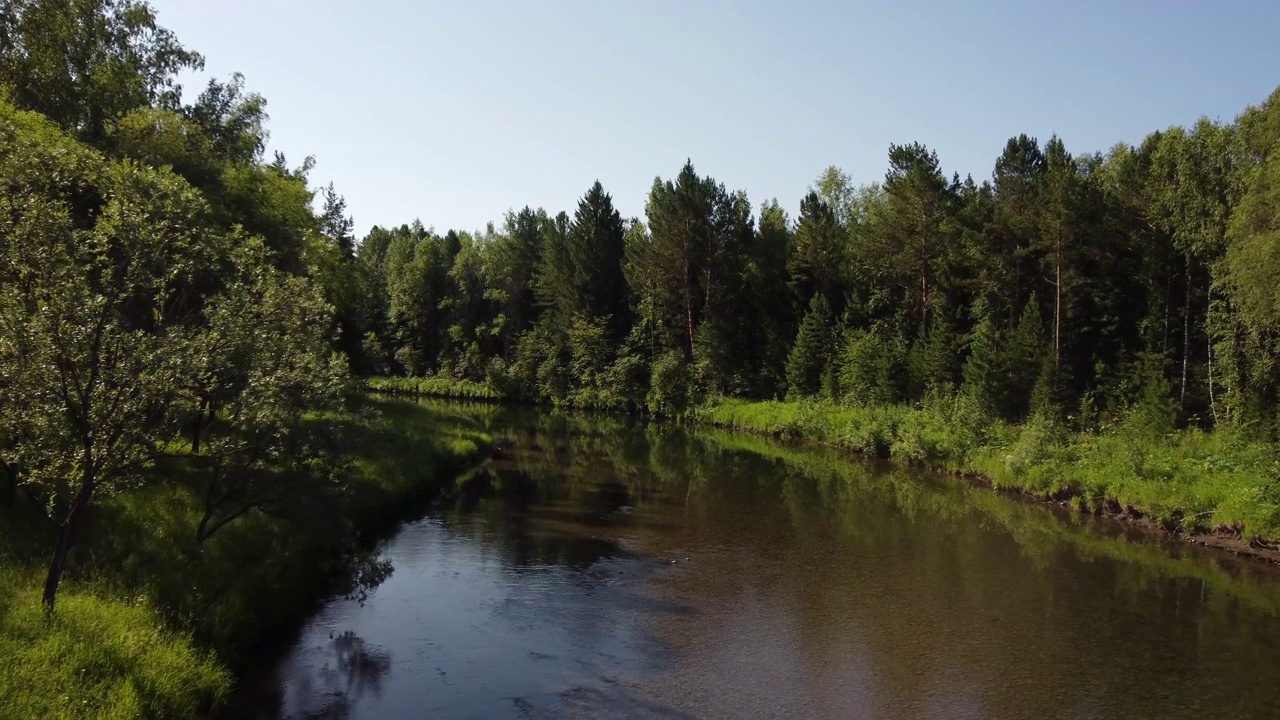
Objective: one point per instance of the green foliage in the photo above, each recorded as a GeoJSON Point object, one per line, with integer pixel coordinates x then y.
{"type": "Point", "coordinates": [812, 351]}
{"type": "Point", "coordinates": [1249, 272]}
{"type": "Point", "coordinates": [817, 261]}
{"type": "Point", "coordinates": [175, 314]}
{"type": "Point", "coordinates": [267, 368]}
{"type": "Point", "coordinates": [1038, 291]}
{"type": "Point", "coordinates": [94, 355]}
{"type": "Point", "coordinates": [177, 320]}
{"type": "Point", "coordinates": [670, 385]}
{"type": "Point", "coordinates": [1189, 480]}
{"type": "Point", "coordinates": [870, 368]}
{"type": "Point", "coordinates": [581, 273]}
{"type": "Point", "coordinates": [984, 370]}
{"type": "Point", "coordinates": [233, 592]}
{"type": "Point", "coordinates": [1154, 412]}
{"type": "Point", "coordinates": [512, 267]}
{"type": "Point", "coordinates": [83, 63]}
{"type": "Point", "coordinates": [433, 387]}
{"type": "Point", "coordinates": [1034, 458]}
{"type": "Point", "coordinates": [931, 361]}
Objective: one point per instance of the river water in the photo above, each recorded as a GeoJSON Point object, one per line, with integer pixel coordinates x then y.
{"type": "Point", "coordinates": [601, 567]}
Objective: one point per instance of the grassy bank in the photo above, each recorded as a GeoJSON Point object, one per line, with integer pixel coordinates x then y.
{"type": "Point", "coordinates": [433, 387]}
{"type": "Point", "coordinates": [151, 623]}
{"type": "Point", "coordinates": [1040, 532]}
{"type": "Point", "coordinates": [1187, 481]}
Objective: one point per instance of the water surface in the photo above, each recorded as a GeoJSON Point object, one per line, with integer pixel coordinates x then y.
{"type": "Point", "coordinates": [599, 567]}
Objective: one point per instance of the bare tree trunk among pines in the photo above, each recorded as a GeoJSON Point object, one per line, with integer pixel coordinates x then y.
{"type": "Point", "coordinates": [688, 308]}
{"type": "Point", "coordinates": [1208, 324]}
{"type": "Point", "coordinates": [924, 299]}
{"type": "Point", "coordinates": [1057, 302]}
{"type": "Point", "coordinates": [1186, 338]}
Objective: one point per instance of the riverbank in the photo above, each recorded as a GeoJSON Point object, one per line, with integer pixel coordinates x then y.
{"type": "Point", "coordinates": [432, 387]}
{"type": "Point", "coordinates": [1210, 488]}
{"type": "Point", "coordinates": [151, 623]}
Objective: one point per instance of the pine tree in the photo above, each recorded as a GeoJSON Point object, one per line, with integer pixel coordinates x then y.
{"type": "Point", "coordinates": [911, 227]}
{"type": "Point", "coordinates": [816, 260]}
{"type": "Point", "coordinates": [1026, 350]}
{"type": "Point", "coordinates": [868, 368]}
{"type": "Point", "coordinates": [812, 350]}
{"type": "Point", "coordinates": [931, 363]}
{"type": "Point", "coordinates": [984, 370]}
{"type": "Point", "coordinates": [1007, 272]}
{"type": "Point", "coordinates": [511, 269]}
{"type": "Point", "coordinates": [336, 225]}
{"type": "Point", "coordinates": [581, 273]}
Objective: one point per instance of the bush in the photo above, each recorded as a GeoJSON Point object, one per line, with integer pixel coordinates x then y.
{"type": "Point", "coordinates": [670, 384]}
{"type": "Point", "coordinates": [868, 365]}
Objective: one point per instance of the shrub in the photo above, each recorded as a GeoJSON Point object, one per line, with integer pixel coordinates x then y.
{"type": "Point", "coordinates": [670, 385]}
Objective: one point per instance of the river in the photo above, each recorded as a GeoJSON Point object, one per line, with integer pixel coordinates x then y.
{"type": "Point", "coordinates": [603, 567]}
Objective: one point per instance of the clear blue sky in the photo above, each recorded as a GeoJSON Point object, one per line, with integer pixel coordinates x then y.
{"type": "Point", "coordinates": [454, 112]}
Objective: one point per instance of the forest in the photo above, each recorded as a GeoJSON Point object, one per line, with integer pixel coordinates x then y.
{"type": "Point", "coordinates": [1075, 288]}
{"type": "Point", "coordinates": [183, 468]}
{"type": "Point", "coordinates": [1096, 328]}
{"type": "Point", "coordinates": [1079, 285]}
{"type": "Point", "coordinates": [184, 321]}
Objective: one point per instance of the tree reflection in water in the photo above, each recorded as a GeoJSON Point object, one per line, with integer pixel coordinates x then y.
{"type": "Point", "coordinates": [350, 669]}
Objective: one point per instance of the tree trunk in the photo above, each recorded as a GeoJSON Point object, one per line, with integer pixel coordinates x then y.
{"type": "Point", "coordinates": [1057, 302]}
{"type": "Point", "coordinates": [204, 416]}
{"type": "Point", "coordinates": [66, 538]}
{"type": "Point", "coordinates": [202, 530]}
{"type": "Point", "coordinates": [924, 298]}
{"type": "Point", "coordinates": [1208, 331]}
{"type": "Point", "coordinates": [196, 423]}
{"type": "Point", "coordinates": [688, 308]}
{"type": "Point", "coordinates": [10, 485]}
{"type": "Point", "coordinates": [1186, 337]}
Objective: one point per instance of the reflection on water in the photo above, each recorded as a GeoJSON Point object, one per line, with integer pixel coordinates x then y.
{"type": "Point", "coordinates": [597, 567]}
{"type": "Point", "coordinates": [336, 675]}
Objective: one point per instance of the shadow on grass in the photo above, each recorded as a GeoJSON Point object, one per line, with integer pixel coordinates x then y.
{"type": "Point", "coordinates": [140, 578]}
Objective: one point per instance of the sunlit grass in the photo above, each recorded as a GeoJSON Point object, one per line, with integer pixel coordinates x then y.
{"type": "Point", "coordinates": [1189, 480]}
{"type": "Point", "coordinates": [433, 387]}
{"type": "Point", "coordinates": [98, 657]}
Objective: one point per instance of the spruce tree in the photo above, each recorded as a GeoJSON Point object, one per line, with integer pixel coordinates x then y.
{"type": "Point", "coordinates": [868, 365]}
{"type": "Point", "coordinates": [931, 361]}
{"type": "Point", "coordinates": [816, 260]}
{"type": "Point", "coordinates": [812, 349]}
{"type": "Point", "coordinates": [984, 370]}
{"type": "Point", "coordinates": [581, 274]}
{"type": "Point", "coordinates": [1027, 348]}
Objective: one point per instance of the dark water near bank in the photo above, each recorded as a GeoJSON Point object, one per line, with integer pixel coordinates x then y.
{"type": "Point", "coordinates": [602, 568]}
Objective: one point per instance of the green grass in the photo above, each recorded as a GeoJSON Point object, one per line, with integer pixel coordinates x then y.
{"type": "Point", "coordinates": [1039, 533]}
{"type": "Point", "coordinates": [1189, 480]}
{"type": "Point", "coordinates": [98, 657]}
{"type": "Point", "coordinates": [433, 387]}
{"type": "Point", "coordinates": [159, 623]}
